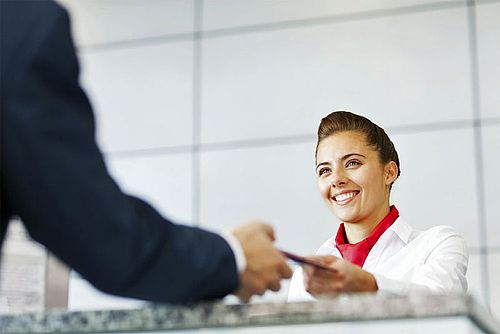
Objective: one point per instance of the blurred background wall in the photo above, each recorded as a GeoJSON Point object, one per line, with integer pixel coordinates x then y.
{"type": "Point", "coordinates": [208, 109]}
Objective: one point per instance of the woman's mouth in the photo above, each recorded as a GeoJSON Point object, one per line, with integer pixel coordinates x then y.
{"type": "Point", "coordinates": [345, 197]}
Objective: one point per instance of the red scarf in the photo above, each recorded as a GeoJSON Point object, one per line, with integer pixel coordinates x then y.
{"type": "Point", "coordinates": [357, 253]}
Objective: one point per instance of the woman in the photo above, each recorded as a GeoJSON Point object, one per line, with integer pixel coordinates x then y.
{"type": "Point", "coordinates": [374, 249]}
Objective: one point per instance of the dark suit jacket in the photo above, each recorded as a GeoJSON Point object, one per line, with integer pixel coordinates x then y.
{"type": "Point", "coordinates": [53, 176]}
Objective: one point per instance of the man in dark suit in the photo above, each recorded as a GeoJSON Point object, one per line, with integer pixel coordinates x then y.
{"type": "Point", "coordinates": [53, 177]}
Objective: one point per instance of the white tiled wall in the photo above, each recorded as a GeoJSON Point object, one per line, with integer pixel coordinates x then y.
{"type": "Point", "coordinates": [397, 70]}
{"type": "Point", "coordinates": [98, 22]}
{"type": "Point", "coordinates": [475, 278]}
{"type": "Point", "coordinates": [491, 153]}
{"type": "Point", "coordinates": [494, 272]}
{"type": "Point", "coordinates": [404, 64]}
{"type": "Point", "coordinates": [437, 185]}
{"type": "Point", "coordinates": [220, 14]}
{"type": "Point", "coordinates": [142, 95]}
{"type": "Point", "coordinates": [164, 181]}
{"type": "Point", "coordinates": [488, 30]}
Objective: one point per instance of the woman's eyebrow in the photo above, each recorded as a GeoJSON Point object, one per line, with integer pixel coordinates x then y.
{"type": "Point", "coordinates": [348, 155]}
{"type": "Point", "coordinates": [322, 164]}
{"type": "Point", "coordinates": [351, 154]}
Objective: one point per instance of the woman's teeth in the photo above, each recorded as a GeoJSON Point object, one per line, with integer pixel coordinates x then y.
{"type": "Point", "coordinates": [345, 196]}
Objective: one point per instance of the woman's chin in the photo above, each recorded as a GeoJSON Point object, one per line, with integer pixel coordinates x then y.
{"type": "Point", "coordinates": [346, 215]}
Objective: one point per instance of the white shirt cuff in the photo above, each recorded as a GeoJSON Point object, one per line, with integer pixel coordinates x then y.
{"type": "Point", "coordinates": [239, 255]}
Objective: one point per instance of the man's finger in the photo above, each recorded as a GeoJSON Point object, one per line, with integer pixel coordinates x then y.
{"type": "Point", "coordinates": [308, 270]}
{"type": "Point", "coordinates": [284, 270]}
{"type": "Point", "coordinates": [275, 286]}
{"type": "Point", "coordinates": [329, 259]}
{"type": "Point", "coordinates": [268, 230]}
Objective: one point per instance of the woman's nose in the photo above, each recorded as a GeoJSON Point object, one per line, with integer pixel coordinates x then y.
{"type": "Point", "coordinates": [338, 178]}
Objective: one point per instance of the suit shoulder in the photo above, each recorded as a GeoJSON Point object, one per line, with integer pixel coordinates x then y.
{"type": "Point", "coordinates": [24, 27]}
{"type": "Point", "coordinates": [27, 8]}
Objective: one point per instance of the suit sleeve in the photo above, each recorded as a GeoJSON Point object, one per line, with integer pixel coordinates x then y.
{"type": "Point", "coordinates": [55, 179]}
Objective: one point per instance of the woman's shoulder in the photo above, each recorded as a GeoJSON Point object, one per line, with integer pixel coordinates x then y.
{"type": "Point", "coordinates": [443, 235]}
{"type": "Point", "coordinates": [440, 231]}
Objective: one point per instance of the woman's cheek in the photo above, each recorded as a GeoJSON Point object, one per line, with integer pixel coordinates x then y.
{"type": "Point", "coordinates": [324, 189]}
{"type": "Point", "coordinates": [321, 187]}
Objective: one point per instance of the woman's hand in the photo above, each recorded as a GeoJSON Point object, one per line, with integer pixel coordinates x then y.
{"type": "Point", "coordinates": [343, 277]}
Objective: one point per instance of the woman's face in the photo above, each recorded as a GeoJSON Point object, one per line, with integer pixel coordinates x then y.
{"type": "Point", "coordinates": [352, 180]}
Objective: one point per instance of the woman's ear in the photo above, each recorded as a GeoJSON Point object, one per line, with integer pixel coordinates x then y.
{"type": "Point", "coordinates": [391, 172]}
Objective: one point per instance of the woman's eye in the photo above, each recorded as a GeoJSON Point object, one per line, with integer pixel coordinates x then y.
{"type": "Point", "coordinates": [323, 171]}
{"type": "Point", "coordinates": [352, 164]}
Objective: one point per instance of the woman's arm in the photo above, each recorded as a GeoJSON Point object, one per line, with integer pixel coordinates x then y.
{"type": "Point", "coordinates": [343, 277]}
{"type": "Point", "coordinates": [443, 270]}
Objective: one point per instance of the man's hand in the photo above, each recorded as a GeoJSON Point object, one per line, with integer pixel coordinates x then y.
{"type": "Point", "coordinates": [344, 277]}
{"type": "Point", "coordinates": [266, 266]}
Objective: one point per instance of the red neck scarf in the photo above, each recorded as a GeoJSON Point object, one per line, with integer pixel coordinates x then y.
{"type": "Point", "coordinates": [357, 253]}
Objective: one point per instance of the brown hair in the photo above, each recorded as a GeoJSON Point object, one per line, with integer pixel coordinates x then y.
{"type": "Point", "coordinates": [340, 121]}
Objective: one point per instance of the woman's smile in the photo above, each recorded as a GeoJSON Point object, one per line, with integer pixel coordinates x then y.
{"type": "Point", "coordinates": [344, 197]}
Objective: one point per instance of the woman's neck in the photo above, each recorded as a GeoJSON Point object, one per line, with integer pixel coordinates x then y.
{"type": "Point", "coordinates": [358, 231]}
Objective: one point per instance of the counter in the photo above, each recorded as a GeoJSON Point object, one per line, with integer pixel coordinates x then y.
{"type": "Point", "coordinates": [350, 313]}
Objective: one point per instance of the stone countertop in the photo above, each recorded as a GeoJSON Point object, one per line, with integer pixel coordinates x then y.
{"type": "Point", "coordinates": [159, 317]}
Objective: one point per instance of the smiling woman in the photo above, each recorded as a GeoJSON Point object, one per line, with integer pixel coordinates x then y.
{"type": "Point", "coordinates": [374, 248]}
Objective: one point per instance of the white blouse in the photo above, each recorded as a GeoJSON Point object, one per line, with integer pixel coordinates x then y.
{"type": "Point", "coordinates": [405, 260]}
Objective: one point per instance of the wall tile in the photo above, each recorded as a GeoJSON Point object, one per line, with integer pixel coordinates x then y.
{"type": "Point", "coordinates": [100, 22]}
{"type": "Point", "coordinates": [494, 273]}
{"type": "Point", "coordinates": [488, 30]}
{"type": "Point", "coordinates": [142, 96]}
{"type": "Point", "coordinates": [395, 70]}
{"type": "Point", "coordinates": [491, 160]}
{"type": "Point", "coordinates": [276, 184]}
{"type": "Point", "coordinates": [475, 278]}
{"type": "Point", "coordinates": [219, 14]}
{"type": "Point", "coordinates": [437, 185]}
{"type": "Point", "coordinates": [163, 181]}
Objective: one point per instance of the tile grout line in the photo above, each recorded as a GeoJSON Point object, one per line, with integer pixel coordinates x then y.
{"type": "Point", "coordinates": [478, 146]}
{"type": "Point", "coordinates": [286, 140]}
{"type": "Point", "coordinates": [196, 121]}
{"type": "Point", "coordinates": [355, 16]}
{"type": "Point", "coordinates": [271, 26]}
{"type": "Point", "coordinates": [484, 250]}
